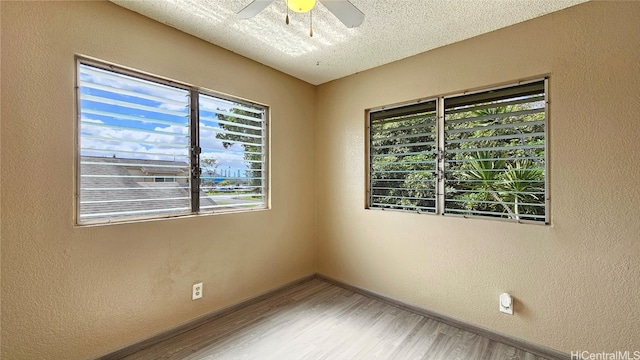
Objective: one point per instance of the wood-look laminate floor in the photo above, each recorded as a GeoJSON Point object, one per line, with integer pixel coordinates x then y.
{"type": "Point", "coordinates": [317, 320]}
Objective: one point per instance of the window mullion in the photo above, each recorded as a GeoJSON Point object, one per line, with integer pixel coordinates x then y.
{"type": "Point", "coordinates": [547, 199]}
{"type": "Point", "coordinates": [194, 123]}
{"type": "Point", "coordinates": [440, 191]}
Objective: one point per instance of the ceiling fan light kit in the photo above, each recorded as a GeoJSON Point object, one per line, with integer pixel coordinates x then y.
{"type": "Point", "coordinates": [345, 11]}
{"type": "Point", "coordinates": [301, 6]}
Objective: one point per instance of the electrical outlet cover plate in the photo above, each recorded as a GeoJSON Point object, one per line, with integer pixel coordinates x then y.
{"type": "Point", "coordinates": [196, 292]}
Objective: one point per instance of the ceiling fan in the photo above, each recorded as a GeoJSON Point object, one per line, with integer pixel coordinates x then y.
{"type": "Point", "coordinates": [345, 11]}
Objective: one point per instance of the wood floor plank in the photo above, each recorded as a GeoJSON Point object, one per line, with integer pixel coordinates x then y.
{"type": "Point", "coordinates": [320, 321]}
{"type": "Point", "coordinates": [505, 352]}
{"type": "Point", "coordinates": [474, 345]}
{"type": "Point", "coordinates": [418, 341]}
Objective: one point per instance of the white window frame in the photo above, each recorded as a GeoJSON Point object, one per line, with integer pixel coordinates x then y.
{"type": "Point", "coordinates": [440, 154]}
{"type": "Point", "coordinates": [195, 172]}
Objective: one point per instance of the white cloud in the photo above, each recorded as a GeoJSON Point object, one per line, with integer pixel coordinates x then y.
{"type": "Point", "coordinates": [93, 121]}
{"type": "Point", "coordinates": [173, 106]}
{"type": "Point", "coordinates": [168, 98]}
{"type": "Point", "coordinates": [126, 141]}
{"type": "Point", "coordinates": [209, 103]}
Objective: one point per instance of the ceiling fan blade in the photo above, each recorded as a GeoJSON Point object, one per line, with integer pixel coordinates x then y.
{"type": "Point", "coordinates": [350, 15]}
{"type": "Point", "coordinates": [253, 8]}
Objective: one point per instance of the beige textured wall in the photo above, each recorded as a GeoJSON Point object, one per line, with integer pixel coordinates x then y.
{"type": "Point", "coordinates": [577, 282]}
{"type": "Point", "coordinates": [0, 184]}
{"type": "Point", "coordinates": [75, 293]}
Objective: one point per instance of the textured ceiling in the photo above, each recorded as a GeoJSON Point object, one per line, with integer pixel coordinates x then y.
{"type": "Point", "coordinates": [392, 30]}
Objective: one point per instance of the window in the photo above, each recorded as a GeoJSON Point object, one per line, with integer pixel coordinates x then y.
{"type": "Point", "coordinates": [163, 179]}
{"type": "Point", "coordinates": [403, 162]}
{"type": "Point", "coordinates": [480, 154]}
{"type": "Point", "coordinates": [150, 148]}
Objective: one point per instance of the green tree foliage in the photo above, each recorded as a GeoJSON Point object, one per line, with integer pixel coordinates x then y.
{"type": "Point", "coordinates": [523, 184]}
{"type": "Point", "coordinates": [485, 175]}
{"type": "Point", "coordinates": [249, 136]}
{"type": "Point", "coordinates": [495, 160]}
{"type": "Point", "coordinates": [403, 162]}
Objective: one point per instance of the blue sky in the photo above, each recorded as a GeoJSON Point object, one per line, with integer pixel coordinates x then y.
{"type": "Point", "coordinates": [147, 120]}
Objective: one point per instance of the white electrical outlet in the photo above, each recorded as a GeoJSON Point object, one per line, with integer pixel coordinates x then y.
{"type": "Point", "coordinates": [196, 293]}
{"type": "Point", "coordinates": [506, 304]}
